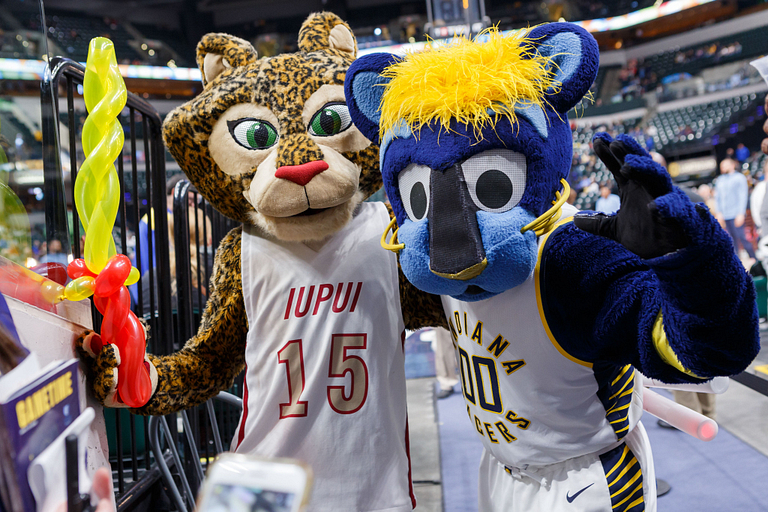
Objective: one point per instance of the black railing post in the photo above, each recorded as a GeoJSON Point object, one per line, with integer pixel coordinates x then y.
{"type": "Point", "coordinates": [56, 225]}
{"type": "Point", "coordinates": [183, 270]}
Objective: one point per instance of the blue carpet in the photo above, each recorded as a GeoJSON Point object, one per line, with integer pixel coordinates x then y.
{"type": "Point", "coordinates": [723, 475]}
{"type": "Point", "coordinates": [460, 450]}
{"type": "Point", "coordinates": [419, 357]}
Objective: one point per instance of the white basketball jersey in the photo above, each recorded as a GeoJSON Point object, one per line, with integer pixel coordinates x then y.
{"type": "Point", "coordinates": [325, 378]}
{"type": "Point", "coordinates": [531, 402]}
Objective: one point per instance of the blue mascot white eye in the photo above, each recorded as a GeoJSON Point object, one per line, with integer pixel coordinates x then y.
{"type": "Point", "coordinates": [413, 182]}
{"type": "Point", "coordinates": [496, 179]}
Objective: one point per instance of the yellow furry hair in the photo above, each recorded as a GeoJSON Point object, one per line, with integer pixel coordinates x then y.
{"type": "Point", "coordinates": [464, 79]}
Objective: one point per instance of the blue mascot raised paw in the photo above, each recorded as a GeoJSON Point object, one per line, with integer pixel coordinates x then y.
{"type": "Point", "coordinates": [639, 225]}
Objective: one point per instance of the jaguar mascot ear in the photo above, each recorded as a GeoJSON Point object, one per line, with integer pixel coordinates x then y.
{"type": "Point", "coordinates": [327, 32]}
{"type": "Point", "coordinates": [218, 52]}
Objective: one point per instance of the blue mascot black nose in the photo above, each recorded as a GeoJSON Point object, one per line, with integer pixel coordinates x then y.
{"type": "Point", "coordinates": [455, 245]}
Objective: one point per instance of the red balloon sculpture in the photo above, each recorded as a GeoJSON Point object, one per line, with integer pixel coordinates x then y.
{"type": "Point", "coordinates": [120, 326]}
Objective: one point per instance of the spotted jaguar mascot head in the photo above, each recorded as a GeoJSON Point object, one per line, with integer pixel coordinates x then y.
{"type": "Point", "coordinates": [474, 143]}
{"type": "Point", "coordinates": [269, 141]}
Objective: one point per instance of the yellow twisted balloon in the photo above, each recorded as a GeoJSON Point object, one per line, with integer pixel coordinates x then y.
{"type": "Point", "coordinates": [97, 188]}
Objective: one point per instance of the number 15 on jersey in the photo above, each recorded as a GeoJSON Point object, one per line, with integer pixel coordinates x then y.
{"type": "Point", "coordinates": [340, 363]}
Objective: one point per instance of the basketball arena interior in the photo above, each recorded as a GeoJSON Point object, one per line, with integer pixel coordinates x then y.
{"type": "Point", "coordinates": [219, 294]}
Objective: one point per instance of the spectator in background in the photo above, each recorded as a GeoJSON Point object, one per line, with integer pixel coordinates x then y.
{"type": "Point", "coordinates": [756, 203]}
{"type": "Point", "coordinates": [148, 219]}
{"type": "Point", "coordinates": [607, 202]}
{"type": "Point", "coordinates": [572, 197]}
{"type": "Point", "coordinates": [445, 363]}
{"type": "Point", "coordinates": [198, 231]}
{"type": "Point", "coordinates": [742, 153]}
{"type": "Point", "coordinates": [764, 145]}
{"type": "Point", "coordinates": [731, 195]}
{"type": "Point", "coordinates": [55, 254]}
{"type": "Point", "coordinates": [705, 191]}
{"type": "Point", "coordinates": [764, 148]}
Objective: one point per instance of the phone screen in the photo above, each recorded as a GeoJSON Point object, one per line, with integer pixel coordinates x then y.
{"type": "Point", "coordinates": [240, 498]}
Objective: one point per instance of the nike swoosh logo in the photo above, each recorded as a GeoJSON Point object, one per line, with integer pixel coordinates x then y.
{"type": "Point", "coordinates": [571, 498]}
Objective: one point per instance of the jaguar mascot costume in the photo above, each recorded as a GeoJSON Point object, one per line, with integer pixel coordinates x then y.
{"type": "Point", "coordinates": [552, 315]}
{"type": "Point", "coordinates": [301, 297]}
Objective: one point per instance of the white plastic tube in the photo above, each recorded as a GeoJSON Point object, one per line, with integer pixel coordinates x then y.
{"type": "Point", "coordinates": [717, 385]}
{"type": "Point", "coordinates": [762, 66]}
{"type": "Point", "coordinates": [685, 419]}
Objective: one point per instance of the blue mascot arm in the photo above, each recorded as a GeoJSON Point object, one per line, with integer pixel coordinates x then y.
{"type": "Point", "coordinates": [682, 316]}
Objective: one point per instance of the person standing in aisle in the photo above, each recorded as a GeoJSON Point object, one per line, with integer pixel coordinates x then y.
{"type": "Point", "coordinates": [731, 195]}
{"type": "Point", "coordinates": [445, 363]}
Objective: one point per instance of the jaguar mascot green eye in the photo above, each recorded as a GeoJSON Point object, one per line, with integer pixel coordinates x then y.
{"type": "Point", "coordinates": [330, 120]}
{"type": "Point", "coordinates": [253, 133]}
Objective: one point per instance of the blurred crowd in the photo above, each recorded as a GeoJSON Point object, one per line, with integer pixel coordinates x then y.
{"type": "Point", "coordinates": [734, 194]}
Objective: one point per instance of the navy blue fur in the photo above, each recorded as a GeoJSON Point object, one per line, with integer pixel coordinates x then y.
{"type": "Point", "coordinates": [364, 96]}
{"type": "Point", "coordinates": [607, 313]}
{"type": "Point", "coordinates": [579, 60]}
{"type": "Point", "coordinates": [548, 160]}
{"type": "Point", "coordinates": [706, 297]}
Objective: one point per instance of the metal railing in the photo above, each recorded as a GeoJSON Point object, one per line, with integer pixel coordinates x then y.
{"type": "Point", "coordinates": [142, 162]}
{"type": "Point", "coordinates": [143, 220]}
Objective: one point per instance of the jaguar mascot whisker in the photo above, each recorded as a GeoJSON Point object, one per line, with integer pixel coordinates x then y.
{"type": "Point", "coordinates": [302, 297]}
{"type": "Point", "coordinates": [552, 315]}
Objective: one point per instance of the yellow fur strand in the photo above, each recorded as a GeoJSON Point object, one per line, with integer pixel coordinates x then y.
{"type": "Point", "coordinates": [476, 83]}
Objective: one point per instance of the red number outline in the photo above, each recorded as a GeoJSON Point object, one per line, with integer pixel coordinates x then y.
{"type": "Point", "coordinates": [344, 358]}
{"type": "Point", "coordinates": [288, 375]}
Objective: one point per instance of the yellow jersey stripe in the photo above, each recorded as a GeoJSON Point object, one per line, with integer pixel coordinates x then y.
{"type": "Point", "coordinates": [623, 472]}
{"type": "Point", "coordinates": [622, 374]}
{"type": "Point", "coordinates": [664, 350]}
{"type": "Point", "coordinates": [636, 502]}
{"type": "Point", "coordinates": [622, 389]}
{"type": "Point", "coordinates": [616, 409]}
{"type": "Point", "coordinates": [631, 481]}
{"type": "Point", "coordinates": [537, 280]}
{"type": "Point", "coordinates": [618, 464]}
{"type": "Point", "coordinates": [629, 496]}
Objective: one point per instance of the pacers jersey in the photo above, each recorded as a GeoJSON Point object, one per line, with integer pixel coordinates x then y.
{"type": "Point", "coordinates": [325, 379]}
{"type": "Point", "coordinates": [531, 403]}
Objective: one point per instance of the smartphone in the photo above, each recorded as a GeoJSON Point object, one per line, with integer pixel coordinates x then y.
{"type": "Point", "coordinates": [245, 483]}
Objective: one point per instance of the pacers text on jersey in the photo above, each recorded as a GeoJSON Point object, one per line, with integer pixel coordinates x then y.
{"type": "Point", "coordinates": [337, 299]}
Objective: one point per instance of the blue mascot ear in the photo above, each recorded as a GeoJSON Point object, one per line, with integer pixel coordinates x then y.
{"type": "Point", "coordinates": [576, 59]}
{"type": "Point", "coordinates": [363, 88]}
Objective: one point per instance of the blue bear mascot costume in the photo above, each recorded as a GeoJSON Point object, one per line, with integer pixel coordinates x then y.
{"type": "Point", "coordinates": [551, 314]}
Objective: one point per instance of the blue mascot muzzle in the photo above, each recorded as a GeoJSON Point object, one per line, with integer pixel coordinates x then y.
{"type": "Point", "coordinates": [470, 254]}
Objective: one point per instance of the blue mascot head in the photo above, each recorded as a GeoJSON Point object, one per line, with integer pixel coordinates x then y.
{"type": "Point", "coordinates": [475, 141]}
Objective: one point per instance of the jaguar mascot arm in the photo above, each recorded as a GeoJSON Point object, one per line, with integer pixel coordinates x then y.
{"type": "Point", "coordinates": [269, 143]}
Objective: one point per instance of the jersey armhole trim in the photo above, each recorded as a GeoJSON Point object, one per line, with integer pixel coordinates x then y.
{"type": "Point", "coordinates": [539, 304]}
{"type": "Point", "coordinates": [665, 351]}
